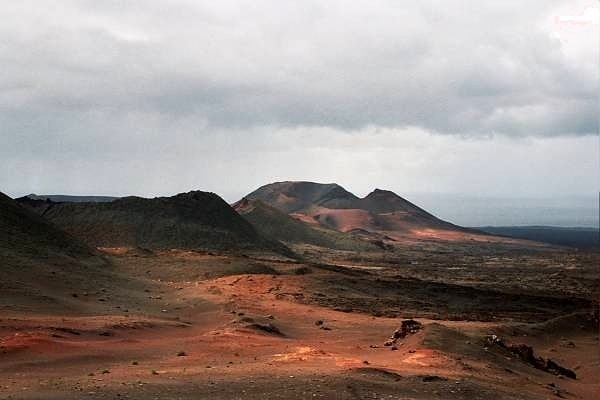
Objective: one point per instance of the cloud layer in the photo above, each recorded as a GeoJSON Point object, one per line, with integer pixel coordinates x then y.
{"type": "Point", "coordinates": [168, 85]}
{"type": "Point", "coordinates": [475, 69]}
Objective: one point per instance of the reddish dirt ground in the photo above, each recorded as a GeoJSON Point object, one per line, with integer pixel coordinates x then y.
{"type": "Point", "coordinates": [209, 330]}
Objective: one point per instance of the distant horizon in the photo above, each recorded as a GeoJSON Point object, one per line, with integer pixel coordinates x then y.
{"type": "Point", "coordinates": [471, 210]}
{"type": "Point", "coordinates": [230, 199]}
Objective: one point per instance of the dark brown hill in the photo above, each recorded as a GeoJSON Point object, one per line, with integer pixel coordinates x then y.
{"type": "Point", "coordinates": [71, 199]}
{"type": "Point", "coordinates": [42, 266]}
{"type": "Point", "coordinates": [291, 197]}
{"type": "Point", "coordinates": [23, 231]}
{"type": "Point", "coordinates": [194, 220]}
{"type": "Point", "coordinates": [385, 201]}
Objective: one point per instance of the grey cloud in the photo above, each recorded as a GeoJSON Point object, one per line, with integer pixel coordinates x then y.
{"type": "Point", "coordinates": [234, 162]}
{"type": "Point", "coordinates": [154, 97]}
{"type": "Point", "coordinates": [475, 69]}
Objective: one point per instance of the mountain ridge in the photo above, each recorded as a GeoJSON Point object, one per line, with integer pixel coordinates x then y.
{"type": "Point", "coordinates": [191, 220]}
{"type": "Point", "coordinates": [59, 198]}
{"type": "Point", "coordinates": [336, 208]}
{"type": "Point", "coordinates": [327, 194]}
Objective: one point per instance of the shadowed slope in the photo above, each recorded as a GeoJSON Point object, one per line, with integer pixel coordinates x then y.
{"type": "Point", "coordinates": [194, 220]}
{"type": "Point", "coordinates": [29, 234]}
{"type": "Point", "coordinates": [42, 265]}
{"type": "Point", "coordinates": [385, 201]}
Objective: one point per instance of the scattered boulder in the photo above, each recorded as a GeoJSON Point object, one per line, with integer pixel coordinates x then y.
{"type": "Point", "coordinates": [377, 373]}
{"type": "Point", "coordinates": [408, 327]}
{"type": "Point", "coordinates": [432, 378]}
{"type": "Point", "coordinates": [556, 369]}
{"type": "Point", "coordinates": [267, 328]}
{"type": "Point", "coordinates": [527, 354]}
{"type": "Point", "coordinates": [302, 271]}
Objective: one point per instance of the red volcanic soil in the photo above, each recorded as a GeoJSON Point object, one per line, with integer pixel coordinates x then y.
{"type": "Point", "coordinates": [307, 219]}
{"type": "Point", "coordinates": [381, 213]}
{"type": "Point", "coordinates": [212, 327]}
{"type": "Point", "coordinates": [432, 313]}
{"type": "Point", "coordinates": [344, 220]}
{"type": "Point", "coordinates": [403, 227]}
{"type": "Point", "coordinates": [466, 236]}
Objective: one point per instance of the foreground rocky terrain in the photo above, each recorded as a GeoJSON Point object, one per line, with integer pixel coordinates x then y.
{"type": "Point", "coordinates": [453, 316]}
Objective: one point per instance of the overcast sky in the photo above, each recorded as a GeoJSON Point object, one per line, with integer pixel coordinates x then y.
{"type": "Point", "coordinates": [157, 97]}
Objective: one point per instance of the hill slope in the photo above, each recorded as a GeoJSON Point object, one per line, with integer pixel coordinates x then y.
{"type": "Point", "coordinates": [336, 208]}
{"type": "Point", "coordinates": [42, 265]}
{"type": "Point", "coordinates": [194, 220]}
{"type": "Point", "coordinates": [26, 233]}
{"type": "Point", "coordinates": [273, 223]}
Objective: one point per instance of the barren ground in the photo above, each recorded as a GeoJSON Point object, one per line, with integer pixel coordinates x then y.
{"type": "Point", "coordinates": [199, 325]}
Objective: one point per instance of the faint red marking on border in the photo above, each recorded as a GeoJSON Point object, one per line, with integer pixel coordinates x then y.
{"type": "Point", "coordinates": [589, 16]}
